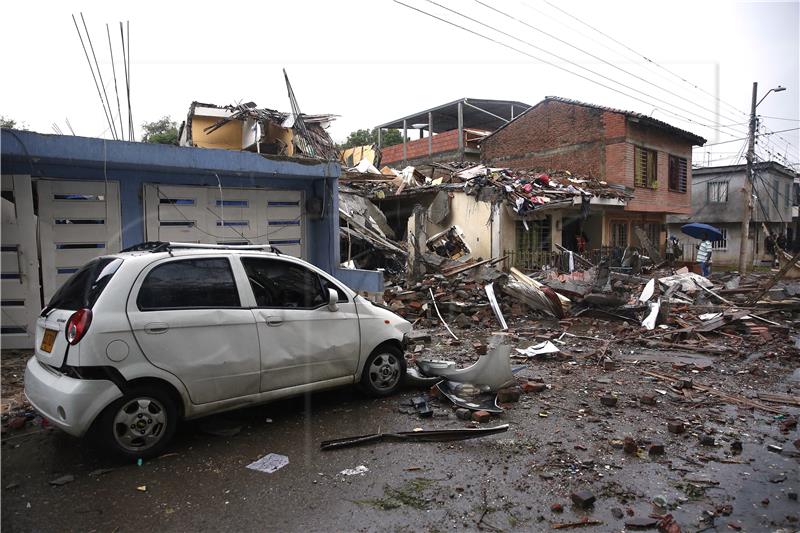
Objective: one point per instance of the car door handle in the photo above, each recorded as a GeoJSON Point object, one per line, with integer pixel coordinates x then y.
{"type": "Point", "coordinates": [274, 321]}
{"type": "Point", "coordinates": [155, 328]}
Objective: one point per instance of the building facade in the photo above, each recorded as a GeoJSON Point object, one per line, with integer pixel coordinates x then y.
{"type": "Point", "coordinates": [718, 199]}
{"type": "Point", "coordinates": [649, 157]}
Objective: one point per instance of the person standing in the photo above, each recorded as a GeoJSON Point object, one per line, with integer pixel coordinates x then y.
{"type": "Point", "coordinates": [704, 256]}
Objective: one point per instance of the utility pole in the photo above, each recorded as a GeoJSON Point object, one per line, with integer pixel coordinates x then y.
{"type": "Point", "coordinates": [748, 186]}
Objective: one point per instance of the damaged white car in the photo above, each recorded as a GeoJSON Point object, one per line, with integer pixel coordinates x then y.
{"type": "Point", "coordinates": [136, 341]}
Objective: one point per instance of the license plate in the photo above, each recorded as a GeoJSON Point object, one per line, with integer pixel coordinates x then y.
{"type": "Point", "coordinates": [48, 340]}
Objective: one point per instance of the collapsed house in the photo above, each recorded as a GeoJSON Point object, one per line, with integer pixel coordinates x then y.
{"type": "Point", "coordinates": [261, 130]}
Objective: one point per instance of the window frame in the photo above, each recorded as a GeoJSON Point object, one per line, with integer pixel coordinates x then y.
{"type": "Point", "coordinates": [715, 246]}
{"type": "Point", "coordinates": [320, 280]}
{"type": "Point", "coordinates": [646, 180]}
{"type": "Point", "coordinates": [151, 268]}
{"type": "Point", "coordinates": [708, 191]}
{"type": "Point", "coordinates": [626, 224]}
{"type": "Point", "coordinates": [676, 164]}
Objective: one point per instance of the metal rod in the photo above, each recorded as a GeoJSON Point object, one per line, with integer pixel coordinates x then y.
{"type": "Point", "coordinates": [487, 112]}
{"type": "Point", "coordinates": [114, 72]}
{"type": "Point", "coordinates": [100, 76]}
{"type": "Point", "coordinates": [91, 70]}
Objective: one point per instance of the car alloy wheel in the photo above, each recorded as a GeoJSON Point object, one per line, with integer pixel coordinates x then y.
{"type": "Point", "coordinates": [140, 424]}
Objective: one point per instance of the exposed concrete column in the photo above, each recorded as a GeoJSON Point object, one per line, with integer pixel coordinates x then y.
{"type": "Point", "coordinates": [417, 238]}
{"type": "Point", "coordinates": [430, 133]}
{"type": "Point", "coordinates": [405, 143]}
{"type": "Point", "coordinates": [461, 129]}
{"type": "Point", "coordinates": [380, 138]}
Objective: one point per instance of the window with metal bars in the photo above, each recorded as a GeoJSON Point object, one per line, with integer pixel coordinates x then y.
{"type": "Point", "coordinates": [619, 234]}
{"type": "Point", "coordinates": [534, 239]}
{"type": "Point", "coordinates": [717, 192]}
{"type": "Point", "coordinates": [677, 173]}
{"type": "Point", "coordinates": [721, 244]}
{"type": "Point", "coordinates": [644, 168]}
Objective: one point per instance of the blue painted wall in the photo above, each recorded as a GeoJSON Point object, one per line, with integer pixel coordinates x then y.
{"type": "Point", "coordinates": [133, 164]}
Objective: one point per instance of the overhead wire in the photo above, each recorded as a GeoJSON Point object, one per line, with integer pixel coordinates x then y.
{"type": "Point", "coordinates": [555, 65]}
{"type": "Point", "coordinates": [97, 86]}
{"type": "Point", "coordinates": [598, 58]}
{"type": "Point", "coordinates": [100, 75]}
{"type": "Point", "coordinates": [647, 59]}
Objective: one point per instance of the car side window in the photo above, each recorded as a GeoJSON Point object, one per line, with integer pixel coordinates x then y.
{"type": "Point", "coordinates": [283, 284]}
{"type": "Point", "coordinates": [189, 283]}
{"type": "Point", "coordinates": [328, 284]}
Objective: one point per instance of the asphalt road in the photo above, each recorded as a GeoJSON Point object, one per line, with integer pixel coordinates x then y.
{"type": "Point", "coordinates": [504, 482]}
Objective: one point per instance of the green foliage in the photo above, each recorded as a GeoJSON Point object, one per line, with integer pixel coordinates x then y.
{"type": "Point", "coordinates": [6, 122]}
{"type": "Point", "coordinates": [162, 131]}
{"type": "Point", "coordinates": [365, 137]}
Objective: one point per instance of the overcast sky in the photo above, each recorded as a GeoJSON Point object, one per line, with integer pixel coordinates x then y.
{"type": "Point", "coordinates": [374, 61]}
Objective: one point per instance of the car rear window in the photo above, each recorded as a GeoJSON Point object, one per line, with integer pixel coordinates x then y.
{"type": "Point", "coordinates": [189, 283]}
{"type": "Point", "coordinates": [86, 285]}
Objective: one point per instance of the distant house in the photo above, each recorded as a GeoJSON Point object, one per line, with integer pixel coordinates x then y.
{"type": "Point", "coordinates": [448, 132]}
{"type": "Point", "coordinates": [718, 199]}
{"type": "Point", "coordinates": [649, 157]}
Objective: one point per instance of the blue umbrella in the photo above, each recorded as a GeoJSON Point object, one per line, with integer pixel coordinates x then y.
{"type": "Point", "coordinates": [701, 231]}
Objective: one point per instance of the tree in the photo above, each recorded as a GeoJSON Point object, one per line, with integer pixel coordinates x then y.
{"type": "Point", "coordinates": [8, 122]}
{"type": "Point", "coordinates": [162, 131]}
{"type": "Point", "coordinates": [364, 137]}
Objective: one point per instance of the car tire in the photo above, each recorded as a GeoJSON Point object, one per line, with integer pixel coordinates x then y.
{"type": "Point", "coordinates": [139, 425]}
{"type": "Point", "coordinates": [384, 371]}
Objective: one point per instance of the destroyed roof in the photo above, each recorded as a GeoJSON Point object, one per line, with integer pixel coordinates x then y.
{"type": "Point", "coordinates": [645, 119]}
{"type": "Point", "coordinates": [477, 113]}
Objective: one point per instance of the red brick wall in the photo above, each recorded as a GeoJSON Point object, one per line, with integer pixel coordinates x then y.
{"type": "Point", "coordinates": [418, 148]}
{"type": "Point", "coordinates": [660, 199]}
{"type": "Point", "coordinates": [592, 142]}
{"type": "Point", "coordinates": [553, 135]}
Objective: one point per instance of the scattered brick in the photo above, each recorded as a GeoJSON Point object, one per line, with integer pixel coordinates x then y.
{"type": "Point", "coordinates": [481, 416]}
{"type": "Point", "coordinates": [583, 498]}
{"type": "Point", "coordinates": [676, 427]}
{"type": "Point", "coordinates": [608, 400]}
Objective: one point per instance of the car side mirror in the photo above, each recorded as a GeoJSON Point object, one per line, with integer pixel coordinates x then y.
{"type": "Point", "coordinates": [333, 298]}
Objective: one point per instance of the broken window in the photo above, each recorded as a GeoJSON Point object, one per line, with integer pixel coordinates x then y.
{"type": "Point", "coordinates": [653, 232]}
{"type": "Point", "coordinates": [644, 168]}
{"type": "Point", "coordinates": [677, 173]}
{"type": "Point", "coordinates": [619, 234]}
{"type": "Point", "coordinates": [533, 235]}
{"type": "Point", "coordinates": [283, 284]}
{"type": "Point", "coordinates": [717, 192]}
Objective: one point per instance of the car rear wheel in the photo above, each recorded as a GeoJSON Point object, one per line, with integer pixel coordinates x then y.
{"type": "Point", "coordinates": [383, 372]}
{"type": "Point", "coordinates": [140, 424]}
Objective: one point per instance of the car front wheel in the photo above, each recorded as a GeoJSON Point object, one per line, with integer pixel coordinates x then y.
{"type": "Point", "coordinates": [383, 372]}
{"type": "Point", "coordinates": [140, 424]}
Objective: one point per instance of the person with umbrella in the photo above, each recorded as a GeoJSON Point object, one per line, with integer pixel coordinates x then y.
{"type": "Point", "coordinates": [705, 233]}
{"type": "Point", "coordinates": [704, 256]}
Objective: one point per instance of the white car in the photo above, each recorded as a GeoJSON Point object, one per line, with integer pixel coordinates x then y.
{"type": "Point", "coordinates": [136, 341]}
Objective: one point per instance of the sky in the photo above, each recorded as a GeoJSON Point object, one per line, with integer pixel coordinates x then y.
{"type": "Point", "coordinates": [374, 61]}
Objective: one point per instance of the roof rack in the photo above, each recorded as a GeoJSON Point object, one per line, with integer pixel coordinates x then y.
{"type": "Point", "coordinates": [161, 246]}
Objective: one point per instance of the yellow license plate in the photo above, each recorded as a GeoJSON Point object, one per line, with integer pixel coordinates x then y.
{"type": "Point", "coordinates": [48, 340]}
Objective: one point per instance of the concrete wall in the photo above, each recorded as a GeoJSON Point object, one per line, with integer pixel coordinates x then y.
{"type": "Point", "coordinates": [228, 136]}
{"type": "Point", "coordinates": [472, 217]}
{"type": "Point", "coordinates": [134, 164]}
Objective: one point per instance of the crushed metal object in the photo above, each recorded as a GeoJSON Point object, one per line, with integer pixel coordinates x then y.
{"type": "Point", "coordinates": [439, 435]}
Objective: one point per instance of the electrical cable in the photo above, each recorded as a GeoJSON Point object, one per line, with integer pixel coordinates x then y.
{"type": "Point", "coordinates": [91, 69]}
{"type": "Point", "coordinates": [556, 65]}
{"type": "Point", "coordinates": [100, 75]}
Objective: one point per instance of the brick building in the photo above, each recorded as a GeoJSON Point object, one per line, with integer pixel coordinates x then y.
{"type": "Point", "coordinates": [646, 155]}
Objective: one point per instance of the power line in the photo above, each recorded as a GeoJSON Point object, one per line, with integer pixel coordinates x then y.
{"type": "Point", "coordinates": [743, 138]}
{"type": "Point", "coordinates": [551, 63]}
{"type": "Point", "coordinates": [594, 56]}
{"type": "Point", "coordinates": [100, 75]}
{"type": "Point", "coordinates": [646, 58]}
{"type": "Point", "coordinates": [92, 71]}
{"type": "Point", "coordinates": [780, 118]}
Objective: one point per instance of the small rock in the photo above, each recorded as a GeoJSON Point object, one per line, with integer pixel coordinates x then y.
{"type": "Point", "coordinates": [707, 440]}
{"type": "Point", "coordinates": [480, 348]}
{"type": "Point", "coordinates": [508, 395]}
{"type": "Point", "coordinates": [557, 508]}
{"type": "Point", "coordinates": [142, 488]}
{"type": "Point", "coordinates": [774, 448]}
{"type": "Point", "coordinates": [583, 498]}
{"type": "Point", "coordinates": [792, 496]}
{"type": "Point", "coordinates": [18, 422]}
{"type": "Point", "coordinates": [765, 502]}
{"type": "Point", "coordinates": [797, 444]}
{"type": "Point", "coordinates": [532, 386]}
{"type": "Point", "coordinates": [676, 427]}
{"type": "Point", "coordinates": [617, 513]}
{"type": "Point", "coordinates": [778, 478]}
{"type": "Point", "coordinates": [647, 399]}
{"type": "Point", "coordinates": [608, 365]}
{"type": "Point", "coordinates": [684, 384]}
{"type": "Point", "coordinates": [63, 480]}
{"type": "Point", "coordinates": [656, 448]}
{"type": "Point", "coordinates": [641, 522]}
{"type": "Point", "coordinates": [608, 400]}
{"type": "Point", "coordinates": [100, 472]}
{"type": "Point", "coordinates": [736, 446]}
{"type": "Point", "coordinates": [481, 416]}
{"type": "Point", "coordinates": [629, 445]}
{"type": "Point", "coordinates": [463, 414]}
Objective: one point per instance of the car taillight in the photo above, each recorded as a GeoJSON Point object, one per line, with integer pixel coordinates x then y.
{"type": "Point", "coordinates": [78, 325]}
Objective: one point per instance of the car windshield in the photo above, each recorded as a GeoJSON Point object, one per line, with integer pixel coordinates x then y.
{"type": "Point", "coordinates": [85, 286]}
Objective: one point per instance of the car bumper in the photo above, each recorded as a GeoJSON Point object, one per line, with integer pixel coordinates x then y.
{"type": "Point", "coordinates": [68, 403]}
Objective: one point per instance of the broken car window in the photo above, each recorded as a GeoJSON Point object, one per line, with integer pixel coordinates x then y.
{"type": "Point", "coordinates": [190, 283]}
{"type": "Point", "coordinates": [278, 283]}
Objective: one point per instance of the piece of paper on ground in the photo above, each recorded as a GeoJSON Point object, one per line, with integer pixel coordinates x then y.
{"type": "Point", "coordinates": [269, 463]}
